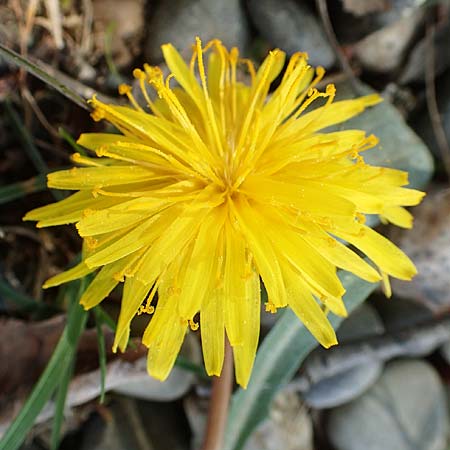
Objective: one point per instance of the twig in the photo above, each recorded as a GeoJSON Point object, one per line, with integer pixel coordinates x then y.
{"type": "Point", "coordinates": [325, 17]}
{"type": "Point", "coordinates": [220, 399]}
{"type": "Point", "coordinates": [55, 17]}
{"type": "Point", "coordinates": [433, 109]}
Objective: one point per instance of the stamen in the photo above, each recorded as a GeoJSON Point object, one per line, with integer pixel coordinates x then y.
{"type": "Point", "coordinates": [193, 325]}
{"type": "Point", "coordinates": [125, 89]}
{"type": "Point", "coordinates": [149, 308]}
{"type": "Point", "coordinates": [270, 307]}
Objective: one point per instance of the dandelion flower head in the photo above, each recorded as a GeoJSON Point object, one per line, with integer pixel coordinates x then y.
{"type": "Point", "coordinates": [215, 187]}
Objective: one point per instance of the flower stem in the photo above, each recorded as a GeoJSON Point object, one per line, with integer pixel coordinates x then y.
{"type": "Point", "coordinates": [220, 399]}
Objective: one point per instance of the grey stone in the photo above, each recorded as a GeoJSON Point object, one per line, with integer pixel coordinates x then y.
{"type": "Point", "coordinates": [445, 351]}
{"type": "Point", "coordinates": [344, 386]}
{"type": "Point", "coordinates": [133, 424]}
{"type": "Point", "coordinates": [405, 410]}
{"type": "Point", "coordinates": [180, 21]}
{"type": "Point", "coordinates": [287, 413]}
{"type": "Point", "coordinates": [385, 49]}
{"type": "Point", "coordinates": [414, 69]}
{"type": "Point", "coordinates": [422, 122]}
{"type": "Point", "coordinates": [288, 427]}
{"type": "Point", "coordinates": [428, 245]}
{"type": "Point", "coordinates": [292, 27]}
{"type": "Point", "coordinates": [362, 323]}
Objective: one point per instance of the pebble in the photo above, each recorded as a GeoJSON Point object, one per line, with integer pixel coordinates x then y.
{"type": "Point", "coordinates": [414, 68]}
{"type": "Point", "coordinates": [292, 27]}
{"type": "Point", "coordinates": [405, 410]}
{"type": "Point", "coordinates": [180, 21]}
{"type": "Point", "coordinates": [428, 245]}
{"type": "Point", "coordinates": [343, 386]}
{"type": "Point", "coordinates": [385, 49]}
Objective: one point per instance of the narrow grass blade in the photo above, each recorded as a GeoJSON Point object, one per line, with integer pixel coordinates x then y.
{"type": "Point", "coordinates": [105, 318]}
{"type": "Point", "coordinates": [71, 141]}
{"type": "Point", "coordinates": [60, 405]}
{"type": "Point", "coordinates": [23, 301]}
{"type": "Point", "coordinates": [33, 68]}
{"type": "Point", "coordinates": [50, 378]}
{"type": "Point", "coordinates": [21, 189]}
{"type": "Point", "coordinates": [278, 358]}
{"type": "Point", "coordinates": [28, 145]}
{"type": "Point", "coordinates": [26, 139]}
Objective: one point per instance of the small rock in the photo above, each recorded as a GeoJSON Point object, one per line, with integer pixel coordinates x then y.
{"type": "Point", "coordinates": [121, 24]}
{"type": "Point", "coordinates": [359, 18]}
{"type": "Point", "coordinates": [414, 69]}
{"type": "Point", "coordinates": [405, 410]}
{"type": "Point", "coordinates": [133, 424]}
{"type": "Point", "coordinates": [445, 351]}
{"type": "Point", "coordinates": [180, 21]}
{"type": "Point", "coordinates": [288, 427]}
{"type": "Point", "coordinates": [292, 27]}
{"type": "Point", "coordinates": [384, 50]}
{"type": "Point", "coordinates": [428, 245]}
{"type": "Point", "coordinates": [363, 7]}
{"type": "Point", "coordinates": [422, 122]}
{"type": "Point", "coordinates": [344, 385]}
{"type": "Point", "coordinates": [196, 409]}
{"type": "Point", "coordinates": [401, 313]}
{"type": "Point", "coordinates": [364, 322]}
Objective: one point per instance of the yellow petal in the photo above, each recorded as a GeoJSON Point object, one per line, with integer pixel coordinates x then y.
{"type": "Point", "coordinates": [142, 235]}
{"type": "Point", "coordinates": [236, 270]}
{"type": "Point", "coordinates": [118, 216]}
{"type": "Point", "coordinates": [79, 271]}
{"type": "Point", "coordinates": [164, 336]}
{"type": "Point", "coordinates": [134, 293]}
{"type": "Point", "coordinates": [97, 177]}
{"type": "Point", "coordinates": [266, 259]}
{"type": "Point", "coordinates": [213, 331]}
{"type": "Point", "coordinates": [182, 73]}
{"type": "Point", "coordinates": [68, 210]}
{"type": "Point", "coordinates": [247, 317]}
{"type": "Point", "coordinates": [199, 276]}
{"type": "Point", "coordinates": [398, 216]}
{"type": "Point", "coordinates": [102, 285]}
{"type": "Point", "coordinates": [304, 196]}
{"type": "Point", "coordinates": [340, 255]}
{"type": "Point", "coordinates": [307, 309]}
{"type": "Point", "coordinates": [382, 252]}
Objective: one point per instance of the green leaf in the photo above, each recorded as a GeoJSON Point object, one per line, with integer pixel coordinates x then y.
{"type": "Point", "coordinates": [28, 145]}
{"type": "Point", "coordinates": [44, 75]}
{"type": "Point", "coordinates": [23, 301]}
{"type": "Point", "coordinates": [278, 359]}
{"type": "Point", "coordinates": [18, 190]}
{"type": "Point", "coordinates": [51, 377]}
{"type": "Point", "coordinates": [71, 141]}
{"type": "Point", "coordinates": [59, 406]}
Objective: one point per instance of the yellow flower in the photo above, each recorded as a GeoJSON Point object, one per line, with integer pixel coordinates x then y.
{"type": "Point", "coordinates": [217, 185]}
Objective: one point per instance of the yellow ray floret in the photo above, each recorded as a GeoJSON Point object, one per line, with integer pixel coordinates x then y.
{"type": "Point", "coordinates": [213, 187]}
